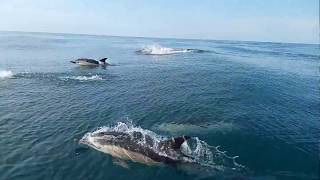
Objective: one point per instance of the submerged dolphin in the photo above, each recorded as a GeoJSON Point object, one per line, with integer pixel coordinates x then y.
{"type": "Point", "coordinates": [90, 62]}
{"type": "Point", "coordinates": [137, 147]}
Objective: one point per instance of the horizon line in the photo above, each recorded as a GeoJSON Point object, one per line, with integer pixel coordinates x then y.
{"type": "Point", "coordinates": [150, 37]}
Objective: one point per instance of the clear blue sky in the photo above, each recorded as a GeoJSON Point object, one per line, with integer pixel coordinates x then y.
{"type": "Point", "coordinates": [258, 20]}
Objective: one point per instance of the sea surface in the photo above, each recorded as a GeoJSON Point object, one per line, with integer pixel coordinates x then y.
{"type": "Point", "coordinates": [255, 100]}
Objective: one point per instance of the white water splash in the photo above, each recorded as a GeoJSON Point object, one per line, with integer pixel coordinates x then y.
{"type": "Point", "coordinates": [6, 74]}
{"type": "Point", "coordinates": [159, 50]}
{"type": "Point", "coordinates": [83, 78]}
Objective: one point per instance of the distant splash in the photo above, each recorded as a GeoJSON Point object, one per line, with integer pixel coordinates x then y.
{"type": "Point", "coordinates": [83, 78]}
{"type": "Point", "coordinates": [4, 74]}
{"type": "Point", "coordinates": [160, 50]}
{"type": "Point", "coordinates": [196, 150]}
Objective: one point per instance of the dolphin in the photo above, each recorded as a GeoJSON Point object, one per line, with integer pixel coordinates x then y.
{"type": "Point", "coordinates": [137, 147]}
{"type": "Point", "coordinates": [90, 62]}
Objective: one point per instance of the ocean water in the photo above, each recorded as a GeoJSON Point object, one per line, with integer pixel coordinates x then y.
{"type": "Point", "coordinates": [258, 101]}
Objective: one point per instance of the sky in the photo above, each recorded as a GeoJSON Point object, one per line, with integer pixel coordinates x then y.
{"type": "Point", "coordinates": [251, 20]}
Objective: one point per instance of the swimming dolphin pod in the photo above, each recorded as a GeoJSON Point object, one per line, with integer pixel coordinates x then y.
{"type": "Point", "coordinates": [127, 142]}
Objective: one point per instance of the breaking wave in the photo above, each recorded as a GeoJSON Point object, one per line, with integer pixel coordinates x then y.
{"type": "Point", "coordinates": [159, 50]}
{"type": "Point", "coordinates": [194, 150]}
{"type": "Point", "coordinates": [83, 78]}
{"type": "Point", "coordinates": [6, 74]}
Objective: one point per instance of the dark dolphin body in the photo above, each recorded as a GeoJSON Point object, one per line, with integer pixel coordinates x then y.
{"type": "Point", "coordinates": [137, 147]}
{"type": "Point", "coordinates": [90, 62]}
{"type": "Point", "coordinates": [148, 149]}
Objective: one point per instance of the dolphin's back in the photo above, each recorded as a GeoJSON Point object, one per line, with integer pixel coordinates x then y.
{"type": "Point", "coordinates": [90, 61]}
{"type": "Point", "coordinates": [132, 144]}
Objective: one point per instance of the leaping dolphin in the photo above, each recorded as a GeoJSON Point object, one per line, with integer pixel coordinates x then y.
{"type": "Point", "coordinates": [136, 147]}
{"type": "Point", "coordinates": [90, 62]}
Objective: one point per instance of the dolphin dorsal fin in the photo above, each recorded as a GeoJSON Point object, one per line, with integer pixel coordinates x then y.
{"type": "Point", "coordinates": [178, 141]}
{"type": "Point", "coordinates": [103, 60]}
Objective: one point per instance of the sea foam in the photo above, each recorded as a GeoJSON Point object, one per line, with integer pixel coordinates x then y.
{"type": "Point", "coordinates": [160, 50]}
{"type": "Point", "coordinates": [83, 78]}
{"type": "Point", "coordinates": [6, 74]}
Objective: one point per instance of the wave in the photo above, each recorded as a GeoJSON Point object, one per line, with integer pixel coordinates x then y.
{"type": "Point", "coordinates": [188, 128]}
{"type": "Point", "coordinates": [159, 50]}
{"type": "Point", "coordinates": [51, 76]}
{"type": "Point", "coordinates": [83, 78]}
{"type": "Point", "coordinates": [6, 74]}
{"type": "Point", "coordinates": [196, 151]}
{"type": "Point", "coordinates": [237, 50]}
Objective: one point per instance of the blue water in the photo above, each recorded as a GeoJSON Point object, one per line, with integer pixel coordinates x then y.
{"type": "Point", "coordinates": [256, 100]}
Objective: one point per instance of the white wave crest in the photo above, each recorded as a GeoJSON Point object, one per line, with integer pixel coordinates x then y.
{"type": "Point", "coordinates": [83, 78]}
{"type": "Point", "coordinates": [6, 74]}
{"type": "Point", "coordinates": [159, 50]}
